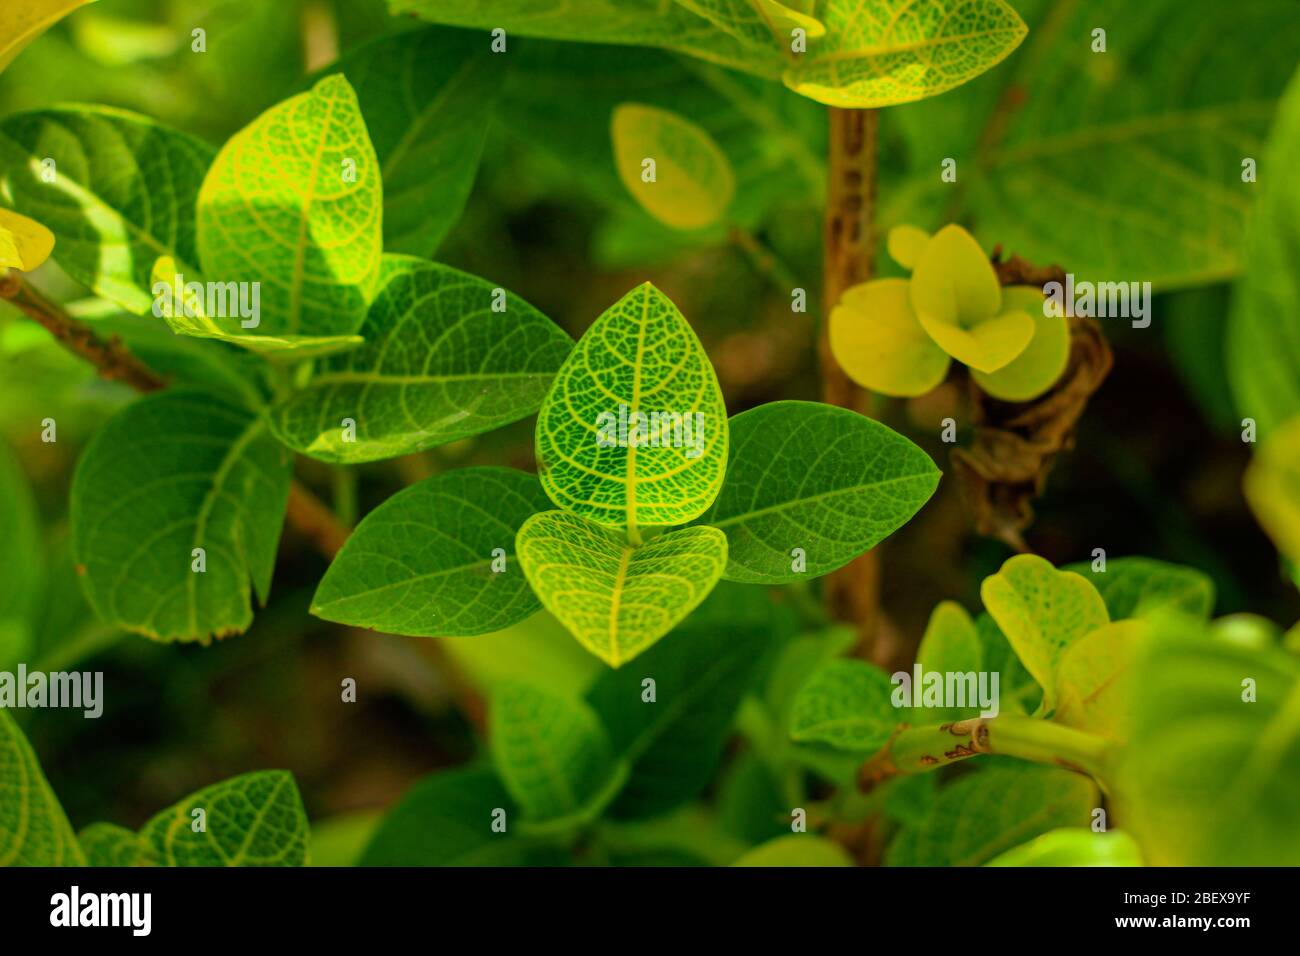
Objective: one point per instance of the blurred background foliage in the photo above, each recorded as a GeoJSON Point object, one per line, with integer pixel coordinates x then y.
{"type": "Point", "coordinates": [1156, 470]}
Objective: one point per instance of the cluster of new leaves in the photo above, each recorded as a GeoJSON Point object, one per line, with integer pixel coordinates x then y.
{"type": "Point", "coordinates": [256, 819]}
{"type": "Point", "coordinates": [898, 336]}
{"type": "Point", "coordinates": [1113, 671]}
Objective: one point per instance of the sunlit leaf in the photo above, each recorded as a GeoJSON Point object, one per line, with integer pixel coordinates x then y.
{"type": "Point", "coordinates": [616, 599]}
{"type": "Point", "coordinates": [640, 358]}
{"type": "Point", "coordinates": [425, 561]}
{"type": "Point", "coordinates": [905, 244]}
{"type": "Point", "coordinates": [1073, 846]}
{"type": "Point", "coordinates": [447, 355]}
{"type": "Point", "coordinates": [294, 202]}
{"type": "Point", "coordinates": [813, 477]}
{"type": "Point", "coordinates": [882, 52]}
{"type": "Point", "coordinates": [690, 184]}
{"type": "Point", "coordinates": [117, 190]}
{"type": "Point", "coordinates": [22, 22]}
{"type": "Point", "coordinates": [1272, 486]}
{"type": "Point", "coordinates": [1091, 676]}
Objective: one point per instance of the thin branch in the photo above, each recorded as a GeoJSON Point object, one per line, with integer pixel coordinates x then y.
{"type": "Point", "coordinates": [110, 357]}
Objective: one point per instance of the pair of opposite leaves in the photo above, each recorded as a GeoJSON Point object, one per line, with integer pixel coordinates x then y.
{"type": "Point", "coordinates": [899, 336]}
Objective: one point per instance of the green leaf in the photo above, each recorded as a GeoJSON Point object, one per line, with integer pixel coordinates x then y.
{"type": "Point", "coordinates": [883, 52]}
{"type": "Point", "coordinates": [1065, 134]}
{"type": "Point", "coordinates": [1017, 689]}
{"type": "Point", "coordinates": [428, 98]}
{"type": "Point", "coordinates": [615, 598]}
{"type": "Point", "coordinates": [823, 479]}
{"type": "Point", "coordinates": [107, 844]}
{"type": "Point", "coordinates": [1139, 587]}
{"type": "Point", "coordinates": [1264, 324]}
{"type": "Point", "coordinates": [700, 672]}
{"type": "Point", "coordinates": [22, 561]}
{"type": "Point", "coordinates": [34, 831]}
{"type": "Point", "coordinates": [339, 840]}
{"type": "Point", "coordinates": [951, 644]}
{"type": "Point", "coordinates": [175, 471]}
{"type": "Point", "coordinates": [440, 363]}
{"type": "Point", "coordinates": [845, 703]}
{"type": "Point", "coordinates": [983, 814]}
{"type": "Point", "coordinates": [597, 458]}
{"type": "Point", "coordinates": [1272, 487]}
{"type": "Point", "coordinates": [1092, 676]}
{"type": "Point", "coordinates": [551, 753]}
{"type": "Point", "coordinates": [631, 22]}
{"type": "Point", "coordinates": [446, 820]}
{"type": "Point", "coordinates": [294, 201]}
{"type": "Point", "coordinates": [1210, 772]}
{"type": "Point", "coordinates": [1072, 846]}
{"type": "Point", "coordinates": [20, 24]}
{"type": "Point", "coordinates": [692, 184]}
{"type": "Point", "coordinates": [1042, 611]}
{"type": "Point", "coordinates": [802, 849]}
{"type": "Point", "coordinates": [421, 563]}
{"type": "Point", "coordinates": [121, 194]}
{"type": "Point", "coordinates": [255, 819]}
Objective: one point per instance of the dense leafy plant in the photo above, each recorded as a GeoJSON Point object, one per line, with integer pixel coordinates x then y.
{"type": "Point", "coordinates": [639, 591]}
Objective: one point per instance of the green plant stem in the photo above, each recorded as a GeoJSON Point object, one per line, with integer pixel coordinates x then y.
{"type": "Point", "coordinates": [765, 260]}
{"type": "Point", "coordinates": [344, 486]}
{"type": "Point", "coordinates": [921, 749]}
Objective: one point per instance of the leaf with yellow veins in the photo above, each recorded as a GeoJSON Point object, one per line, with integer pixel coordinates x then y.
{"type": "Point", "coordinates": [633, 432]}
{"type": "Point", "coordinates": [672, 167]}
{"type": "Point", "coordinates": [958, 302]}
{"type": "Point", "coordinates": [905, 244]}
{"type": "Point", "coordinates": [1272, 488]}
{"type": "Point", "coordinates": [616, 599]}
{"type": "Point", "coordinates": [876, 338]}
{"type": "Point", "coordinates": [22, 21]}
{"type": "Point", "coordinates": [883, 52]}
{"type": "Point", "coordinates": [24, 243]}
{"type": "Point", "coordinates": [1037, 368]}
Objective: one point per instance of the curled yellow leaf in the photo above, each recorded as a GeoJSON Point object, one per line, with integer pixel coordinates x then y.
{"type": "Point", "coordinates": [905, 244]}
{"type": "Point", "coordinates": [877, 340]}
{"type": "Point", "coordinates": [1037, 368]}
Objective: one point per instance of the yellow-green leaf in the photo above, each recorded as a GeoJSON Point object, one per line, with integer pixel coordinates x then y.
{"type": "Point", "coordinates": [1073, 846]}
{"type": "Point", "coordinates": [1272, 487]}
{"type": "Point", "coordinates": [22, 21]}
{"type": "Point", "coordinates": [951, 644]}
{"type": "Point", "coordinates": [186, 314]}
{"type": "Point", "coordinates": [1090, 677]}
{"type": "Point", "coordinates": [876, 338]}
{"type": "Point", "coordinates": [882, 52]}
{"type": "Point", "coordinates": [672, 167]}
{"type": "Point", "coordinates": [1043, 361]}
{"type": "Point", "coordinates": [639, 358]}
{"type": "Point", "coordinates": [616, 599]}
{"type": "Point", "coordinates": [294, 201]}
{"type": "Point", "coordinates": [24, 243]}
{"type": "Point", "coordinates": [1042, 611]}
